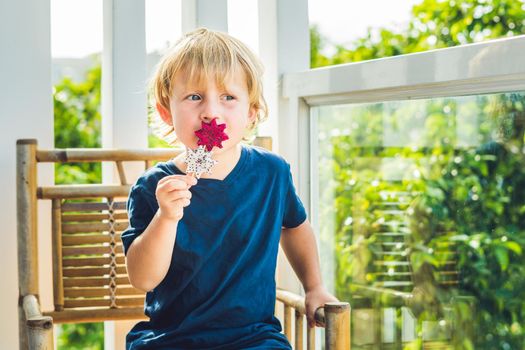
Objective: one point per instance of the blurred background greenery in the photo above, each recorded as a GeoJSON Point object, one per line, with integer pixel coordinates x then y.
{"type": "Point", "coordinates": [465, 205]}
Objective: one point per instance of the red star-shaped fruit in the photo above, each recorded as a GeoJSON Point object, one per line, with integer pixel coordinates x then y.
{"type": "Point", "coordinates": [211, 134]}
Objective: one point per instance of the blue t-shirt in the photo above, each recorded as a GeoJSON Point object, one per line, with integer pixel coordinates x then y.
{"type": "Point", "coordinates": [219, 292]}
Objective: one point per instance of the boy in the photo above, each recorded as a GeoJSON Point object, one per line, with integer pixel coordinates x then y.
{"type": "Point", "coordinates": [205, 250]}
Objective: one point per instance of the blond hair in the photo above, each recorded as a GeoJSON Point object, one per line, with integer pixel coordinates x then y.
{"type": "Point", "coordinates": [205, 54]}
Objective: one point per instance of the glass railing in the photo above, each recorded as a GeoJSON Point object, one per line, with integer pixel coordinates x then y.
{"type": "Point", "coordinates": [421, 218]}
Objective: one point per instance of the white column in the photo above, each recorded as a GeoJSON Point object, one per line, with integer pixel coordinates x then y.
{"type": "Point", "coordinates": [124, 104]}
{"type": "Point", "coordinates": [27, 112]}
{"type": "Point", "coordinates": [124, 74]}
{"type": "Point", "coordinates": [284, 46]}
{"type": "Point", "coordinates": [268, 42]}
{"type": "Point", "coordinates": [212, 14]}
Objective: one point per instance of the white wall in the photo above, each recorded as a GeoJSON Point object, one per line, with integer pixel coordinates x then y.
{"type": "Point", "coordinates": [26, 112]}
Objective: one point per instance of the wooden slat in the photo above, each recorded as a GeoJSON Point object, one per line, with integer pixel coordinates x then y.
{"type": "Point", "coordinates": [310, 338]}
{"type": "Point", "coordinates": [82, 191]}
{"type": "Point", "coordinates": [121, 172]}
{"type": "Point", "coordinates": [394, 274]}
{"type": "Point", "coordinates": [71, 240]}
{"type": "Point", "coordinates": [94, 281]}
{"type": "Point", "coordinates": [100, 155]}
{"type": "Point", "coordinates": [390, 253]}
{"type": "Point", "coordinates": [392, 263]}
{"type": "Point", "coordinates": [394, 223]}
{"type": "Point", "coordinates": [91, 261]}
{"type": "Point", "coordinates": [91, 250]}
{"type": "Point", "coordinates": [299, 333]}
{"type": "Point", "coordinates": [393, 204]}
{"type": "Point", "coordinates": [397, 212]}
{"type": "Point", "coordinates": [94, 227]}
{"type": "Point", "coordinates": [93, 217]}
{"type": "Point", "coordinates": [97, 315]}
{"type": "Point", "coordinates": [288, 322]}
{"type": "Point", "coordinates": [92, 271]}
{"type": "Point", "coordinates": [92, 206]}
{"type": "Point", "coordinates": [392, 284]}
{"type": "Point", "coordinates": [392, 234]}
{"type": "Point", "coordinates": [81, 303]}
{"type": "Point", "coordinates": [56, 228]}
{"type": "Point", "coordinates": [100, 292]}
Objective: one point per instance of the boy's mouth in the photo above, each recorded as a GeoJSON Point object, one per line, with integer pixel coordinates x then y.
{"type": "Point", "coordinates": [211, 135]}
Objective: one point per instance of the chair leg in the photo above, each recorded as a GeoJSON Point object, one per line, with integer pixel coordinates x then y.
{"type": "Point", "coordinates": [337, 333]}
{"type": "Point", "coordinates": [39, 328]}
{"type": "Point", "coordinates": [22, 329]}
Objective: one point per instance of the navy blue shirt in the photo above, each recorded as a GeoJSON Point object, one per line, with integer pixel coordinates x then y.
{"type": "Point", "coordinates": [219, 292]}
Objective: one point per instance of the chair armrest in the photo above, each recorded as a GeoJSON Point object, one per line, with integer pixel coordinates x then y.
{"type": "Point", "coordinates": [334, 316]}
{"type": "Point", "coordinates": [297, 302]}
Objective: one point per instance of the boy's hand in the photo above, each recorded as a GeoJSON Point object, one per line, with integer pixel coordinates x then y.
{"type": "Point", "coordinates": [173, 195]}
{"type": "Point", "coordinates": [314, 299]}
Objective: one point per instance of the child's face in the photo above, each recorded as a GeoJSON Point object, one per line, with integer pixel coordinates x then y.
{"type": "Point", "coordinates": [192, 103]}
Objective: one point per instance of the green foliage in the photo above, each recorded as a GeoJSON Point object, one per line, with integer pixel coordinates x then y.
{"type": "Point", "coordinates": [434, 24]}
{"type": "Point", "coordinates": [78, 125]}
{"type": "Point", "coordinates": [81, 336]}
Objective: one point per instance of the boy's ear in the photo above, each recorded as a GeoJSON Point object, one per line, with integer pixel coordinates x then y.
{"type": "Point", "coordinates": [164, 114]}
{"type": "Point", "coordinates": [252, 115]}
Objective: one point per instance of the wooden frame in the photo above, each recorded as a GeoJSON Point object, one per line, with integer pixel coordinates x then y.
{"type": "Point", "coordinates": [84, 290]}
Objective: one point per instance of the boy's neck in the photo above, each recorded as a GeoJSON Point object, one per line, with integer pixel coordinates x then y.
{"type": "Point", "coordinates": [226, 161]}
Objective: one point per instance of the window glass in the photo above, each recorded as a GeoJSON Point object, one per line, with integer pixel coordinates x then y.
{"type": "Point", "coordinates": [420, 208]}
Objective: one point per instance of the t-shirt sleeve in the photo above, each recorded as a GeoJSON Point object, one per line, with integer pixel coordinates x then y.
{"type": "Point", "coordinates": [294, 212]}
{"type": "Point", "coordinates": [140, 213]}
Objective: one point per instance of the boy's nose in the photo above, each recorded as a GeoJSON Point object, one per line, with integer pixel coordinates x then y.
{"type": "Point", "coordinates": [210, 112]}
{"type": "Point", "coordinates": [208, 117]}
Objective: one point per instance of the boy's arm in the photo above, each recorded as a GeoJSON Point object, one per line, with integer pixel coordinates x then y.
{"type": "Point", "coordinates": [299, 245]}
{"type": "Point", "coordinates": [149, 256]}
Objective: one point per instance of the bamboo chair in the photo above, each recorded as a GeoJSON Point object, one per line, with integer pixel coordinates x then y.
{"type": "Point", "coordinates": [90, 282]}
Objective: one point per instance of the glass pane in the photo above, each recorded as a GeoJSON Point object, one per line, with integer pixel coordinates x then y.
{"type": "Point", "coordinates": [420, 207]}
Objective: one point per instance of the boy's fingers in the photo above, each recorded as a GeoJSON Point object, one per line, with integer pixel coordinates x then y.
{"type": "Point", "coordinates": [311, 324]}
{"type": "Point", "coordinates": [183, 202]}
{"type": "Point", "coordinates": [175, 184]}
{"type": "Point", "coordinates": [188, 179]}
{"type": "Point", "coordinates": [179, 194]}
{"type": "Point", "coordinates": [179, 183]}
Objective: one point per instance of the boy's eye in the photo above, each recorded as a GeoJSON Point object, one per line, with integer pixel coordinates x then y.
{"type": "Point", "coordinates": [193, 97]}
{"type": "Point", "coordinates": [229, 98]}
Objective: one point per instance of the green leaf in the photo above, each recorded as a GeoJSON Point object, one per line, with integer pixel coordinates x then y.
{"type": "Point", "coordinates": [515, 247]}
{"type": "Point", "coordinates": [502, 256]}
